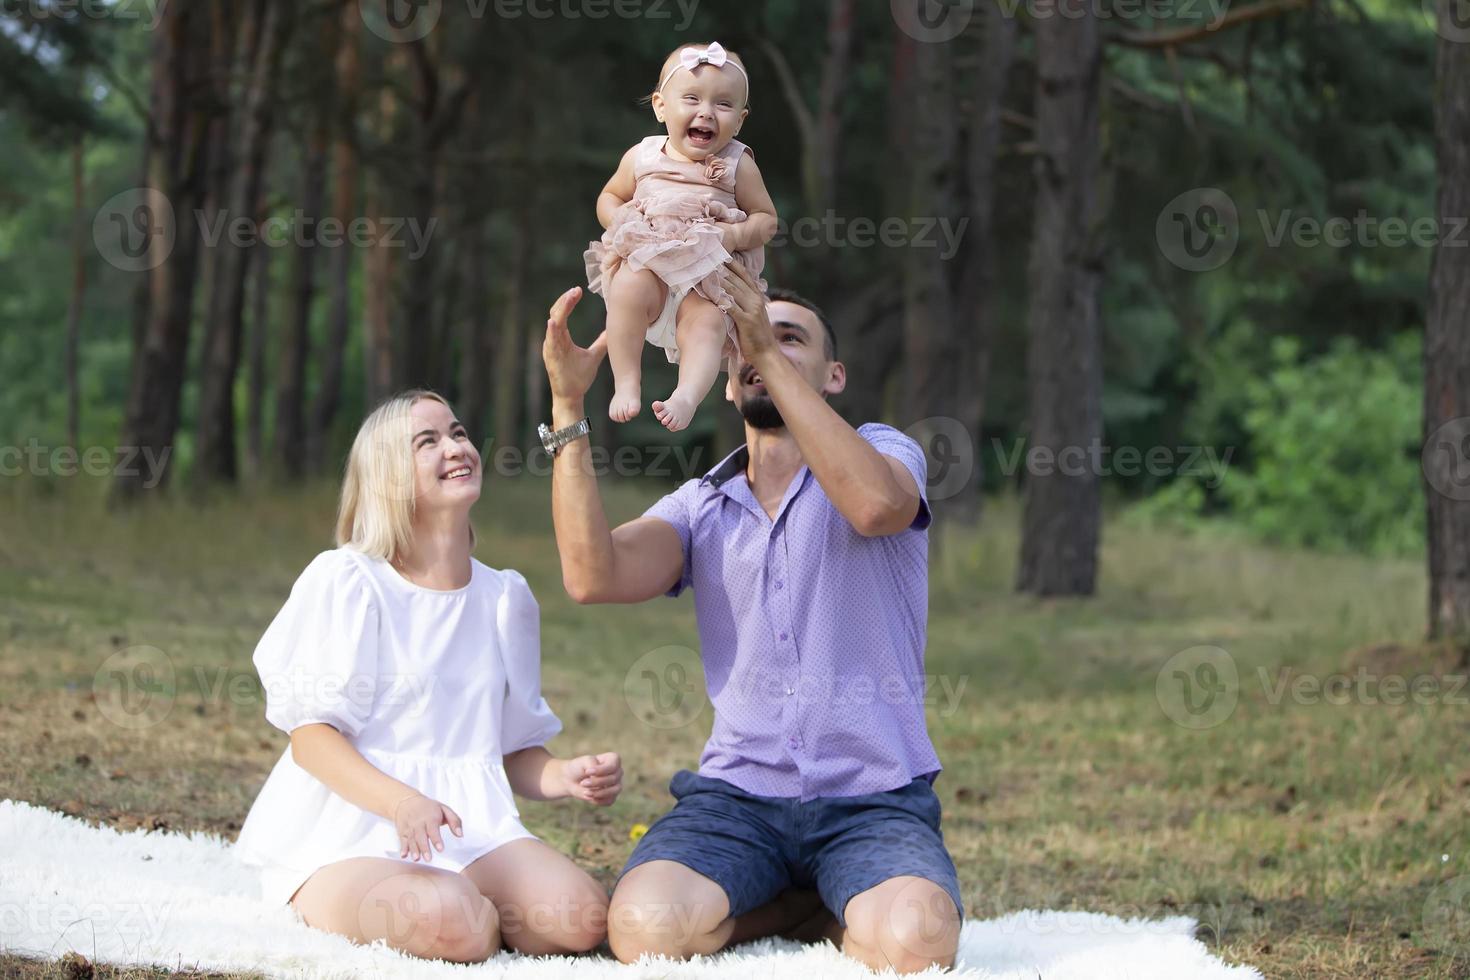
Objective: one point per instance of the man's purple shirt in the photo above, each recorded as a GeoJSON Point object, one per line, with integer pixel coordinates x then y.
{"type": "Point", "coordinates": [812, 635]}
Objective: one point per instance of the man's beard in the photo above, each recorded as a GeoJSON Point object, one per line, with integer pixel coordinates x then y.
{"type": "Point", "coordinates": [761, 413]}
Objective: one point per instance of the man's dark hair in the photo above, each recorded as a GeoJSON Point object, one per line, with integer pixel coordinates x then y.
{"type": "Point", "coordinates": [829, 349]}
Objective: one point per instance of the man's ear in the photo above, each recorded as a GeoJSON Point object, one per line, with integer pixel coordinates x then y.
{"type": "Point", "coordinates": [836, 379]}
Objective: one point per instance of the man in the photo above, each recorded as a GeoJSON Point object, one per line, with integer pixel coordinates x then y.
{"type": "Point", "coordinates": [808, 553]}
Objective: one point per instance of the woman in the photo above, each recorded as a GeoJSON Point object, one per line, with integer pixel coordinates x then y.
{"type": "Point", "coordinates": [408, 677]}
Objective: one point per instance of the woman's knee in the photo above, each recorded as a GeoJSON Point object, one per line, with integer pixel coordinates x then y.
{"type": "Point", "coordinates": [469, 932]}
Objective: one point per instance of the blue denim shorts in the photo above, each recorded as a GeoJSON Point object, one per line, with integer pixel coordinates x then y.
{"type": "Point", "coordinates": [755, 847]}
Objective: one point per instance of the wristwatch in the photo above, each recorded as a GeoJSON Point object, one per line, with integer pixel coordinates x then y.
{"type": "Point", "coordinates": [553, 441]}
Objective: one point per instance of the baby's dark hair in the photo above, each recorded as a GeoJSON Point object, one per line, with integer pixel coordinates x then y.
{"type": "Point", "coordinates": [778, 295]}
{"type": "Point", "coordinates": [664, 72]}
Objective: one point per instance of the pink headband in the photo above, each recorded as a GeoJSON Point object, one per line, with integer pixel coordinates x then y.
{"type": "Point", "coordinates": [714, 54]}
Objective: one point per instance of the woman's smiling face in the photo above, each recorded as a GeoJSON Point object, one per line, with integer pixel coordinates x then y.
{"type": "Point", "coordinates": [446, 463]}
{"type": "Point", "coordinates": [702, 108]}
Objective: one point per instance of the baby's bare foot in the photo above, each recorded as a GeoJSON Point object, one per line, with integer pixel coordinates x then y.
{"type": "Point", "coordinates": [627, 401]}
{"type": "Point", "coordinates": [677, 412]}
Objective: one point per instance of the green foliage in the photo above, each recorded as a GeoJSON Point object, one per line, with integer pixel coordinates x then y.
{"type": "Point", "coordinates": [1332, 449]}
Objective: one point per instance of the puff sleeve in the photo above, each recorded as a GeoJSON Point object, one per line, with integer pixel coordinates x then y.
{"type": "Point", "coordinates": [318, 658]}
{"type": "Point", "coordinates": [527, 719]}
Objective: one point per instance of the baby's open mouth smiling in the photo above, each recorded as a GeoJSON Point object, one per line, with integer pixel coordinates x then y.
{"type": "Point", "coordinates": [700, 136]}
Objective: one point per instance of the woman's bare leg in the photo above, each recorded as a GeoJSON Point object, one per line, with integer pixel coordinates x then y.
{"type": "Point", "coordinates": [635, 298]}
{"type": "Point", "coordinates": [700, 334]}
{"type": "Point", "coordinates": [547, 905]}
{"type": "Point", "coordinates": [422, 911]}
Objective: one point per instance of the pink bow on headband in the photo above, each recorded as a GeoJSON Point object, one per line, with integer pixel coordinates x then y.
{"type": "Point", "coordinates": [713, 54]}
{"type": "Point", "coordinates": [692, 58]}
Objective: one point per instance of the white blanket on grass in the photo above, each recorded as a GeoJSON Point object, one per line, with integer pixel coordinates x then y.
{"type": "Point", "coordinates": [183, 901]}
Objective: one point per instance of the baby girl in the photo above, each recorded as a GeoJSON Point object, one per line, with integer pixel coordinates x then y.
{"type": "Point", "coordinates": [677, 209]}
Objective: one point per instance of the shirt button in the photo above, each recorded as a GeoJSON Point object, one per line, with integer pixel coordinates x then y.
{"type": "Point", "coordinates": [783, 636]}
{"type": "Point", "coordinates": [793, 743]}
{"type": "Point", "coordinates": [790, 691]}
{"type": "Point", "coordinates": [780, 585]}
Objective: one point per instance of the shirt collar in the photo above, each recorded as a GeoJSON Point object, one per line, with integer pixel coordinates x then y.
{"type": "Point", "coordinates": [732, 465]}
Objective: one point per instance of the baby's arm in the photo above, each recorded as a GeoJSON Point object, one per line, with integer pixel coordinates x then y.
{"type": "Point", "coordinates": [751, 197]}
{"type": "Point", "coordinates": [618, 191]}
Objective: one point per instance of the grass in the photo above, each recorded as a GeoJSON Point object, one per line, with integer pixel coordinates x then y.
{"type": "Point", "coordinates": [1312, 836]}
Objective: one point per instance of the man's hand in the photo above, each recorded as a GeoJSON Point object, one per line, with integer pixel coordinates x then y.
{"type": "Point", "coordinates": [596, 779]}
{"type": "Point", "coordinates": [570, 369]}
{"type": "Point", "coordinates": [752, 325]}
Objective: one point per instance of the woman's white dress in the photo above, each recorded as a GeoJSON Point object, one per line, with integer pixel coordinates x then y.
{"type": "Point", "coordinates": [432, 687]}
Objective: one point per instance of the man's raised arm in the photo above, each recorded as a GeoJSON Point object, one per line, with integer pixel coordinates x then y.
{"type": "Point", "coordinates": [639, 560]}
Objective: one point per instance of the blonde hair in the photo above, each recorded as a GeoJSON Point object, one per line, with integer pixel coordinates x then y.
{"type": "Point", "coordinates": [376, 509]}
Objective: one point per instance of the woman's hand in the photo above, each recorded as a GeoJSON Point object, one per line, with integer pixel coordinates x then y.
{"type": "Point", "coordinates": [418, 820]}
{"type": "Point", "coordinates": [595, 779]}
{"type": "Point", "coordinates": [570, 369]}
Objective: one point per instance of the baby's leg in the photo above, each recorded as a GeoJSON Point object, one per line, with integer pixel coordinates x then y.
{"type": "Point", "coordinates": [634, 300]}
{"type": "Point", "coordinates": [701, 337]}
{"type": "Point", "coordinates": [548, 905]}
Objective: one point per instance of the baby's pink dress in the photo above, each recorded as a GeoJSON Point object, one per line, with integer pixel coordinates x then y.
{"type": "Point", "coordinates": [669, 227]}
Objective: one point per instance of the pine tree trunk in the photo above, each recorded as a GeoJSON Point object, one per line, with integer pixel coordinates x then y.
{"type": "Point", "coordinates": [1061, 524]}
{"type": "Point", "coordinates": [78, 293]}
{"type": "Point", "coordinates": [180, 122]}
{"type": "Point", "coordinates": [1447, 362]}
{"type": "Point", "coordinates": [290, 428]}
{"type": "Point", "coordinates": [216, 459]}
{"type": "Point", "coordinates": [260, 286]}
{"type": "Point", "coordinates": [976, 291]}
{"type": "Point", "coordinates": [344, 208]}
{"type": "Point", "coordinates": [380, 369]}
